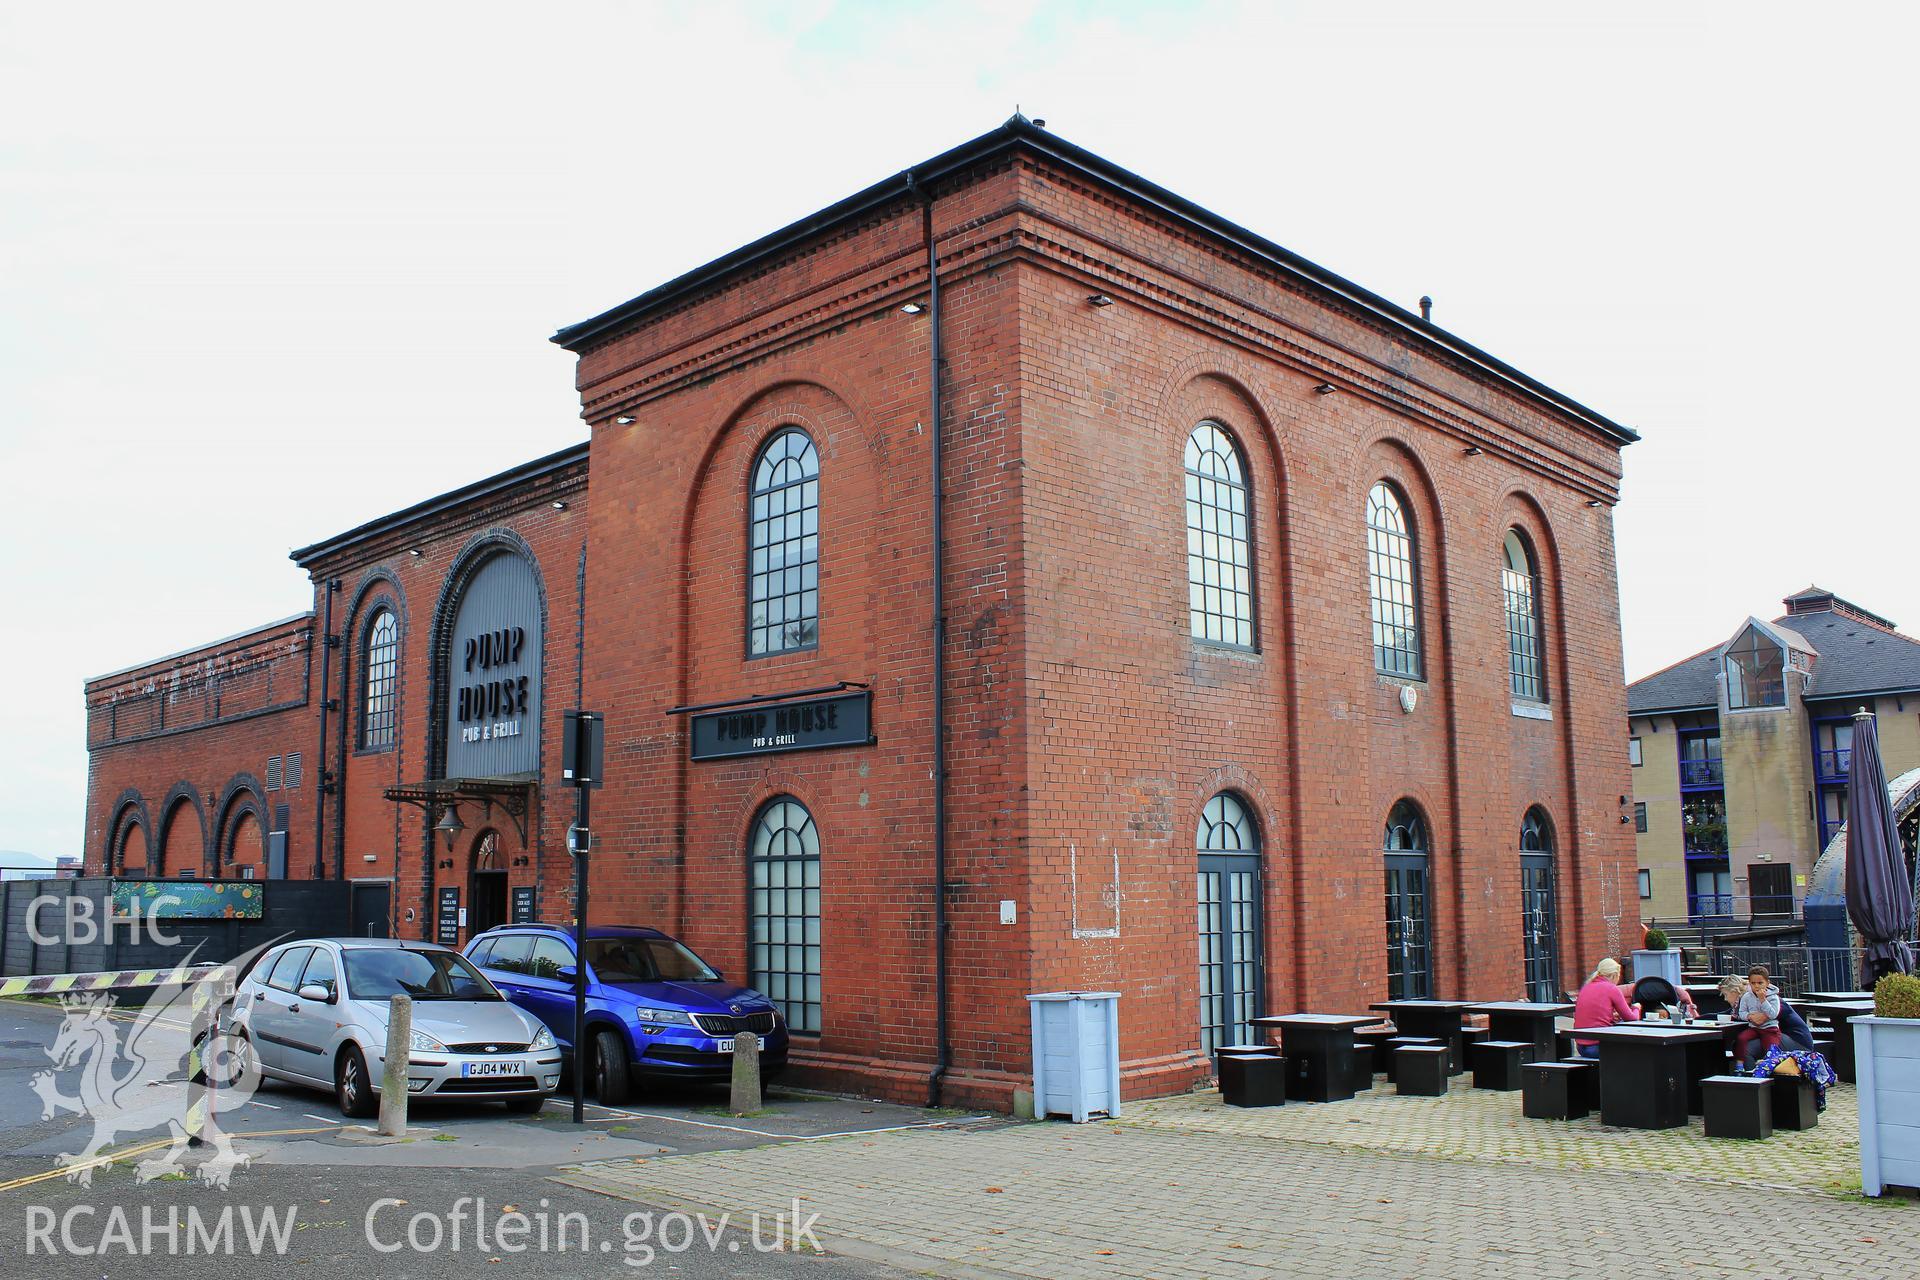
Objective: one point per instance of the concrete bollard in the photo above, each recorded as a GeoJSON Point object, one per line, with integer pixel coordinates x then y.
{"type": "Point", "coordinates": [393, 1079]}
{"type": "Point", "coordinates": [746, 1074]}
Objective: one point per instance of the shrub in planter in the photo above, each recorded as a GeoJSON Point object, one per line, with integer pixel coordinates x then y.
{"type": "Point", "coordinates": [1897, 996]}
{"type": "Point", "coordinates": [1656, 940]}
{"type": "Point", "coordinates": [1887, 1057]}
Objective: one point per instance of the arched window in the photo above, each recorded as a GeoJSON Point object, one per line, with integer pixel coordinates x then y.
{"type": "Point", "coordinates": [1228, 844]}
{"type": "Point", "coordinates": [783, 577]}
{"type": "Point", "coordinates": [381, 661]}
{"type": "Point", "coordinates": [785, 912]}
{"type": "Point", "coordinates": [1520, 587]}
{"type": "Point", "coordinates": [1219, 547]}
{"type": "Point", "coordinates": [246, 849]}
{"type": "Point", "coordinates": [1391, 584]}
{"type": "Point", "coordinates": [130, 855]}
{"type": "Point", "coordinates": [1409, 953]}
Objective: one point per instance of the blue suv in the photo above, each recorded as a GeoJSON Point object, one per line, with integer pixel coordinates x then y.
{"type": "Point", "coordinates": [655, 1010]}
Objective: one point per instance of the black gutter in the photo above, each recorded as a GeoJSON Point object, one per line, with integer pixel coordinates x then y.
{"type": "Point", "coordinates": [328, 643]}
{"type": "Point", "coordinates": [1021, 132]}
{"type": "Point", "coordinates": [487, 488]}
{"type": "Point", "coordinates": [943, 1047]}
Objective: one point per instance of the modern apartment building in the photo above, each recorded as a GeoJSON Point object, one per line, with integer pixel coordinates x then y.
{"type": "Point", "coordinates": [1740, 755]}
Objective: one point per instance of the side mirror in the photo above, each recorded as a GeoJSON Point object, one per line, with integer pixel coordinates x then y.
{"type": "Point", "coordinates": [566, 973]}
{"type": "Point", "coordinates": [314, 991]}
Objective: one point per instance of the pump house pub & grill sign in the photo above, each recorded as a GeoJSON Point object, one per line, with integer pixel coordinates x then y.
{"type": "Point", "coordinates": [493, 689]}
{"type": "Point", "coordinates": [839, 720]}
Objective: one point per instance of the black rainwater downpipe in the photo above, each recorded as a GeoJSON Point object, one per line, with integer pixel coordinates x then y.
{"type": "Point", "coordinates": [328, 643]}
{"type": "Point", "coordinates": [944, 1049]}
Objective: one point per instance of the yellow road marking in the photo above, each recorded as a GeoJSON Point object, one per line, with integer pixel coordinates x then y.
{"type": "Point", "coordinates": [143, 1148]}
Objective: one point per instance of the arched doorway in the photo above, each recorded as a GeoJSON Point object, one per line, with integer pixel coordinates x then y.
{"type": "Point", "coordinates": [1409, 951]}
{"type": "Point", "coordinates": [1539, 924]}
{"type": "Point", "coordinates": [486, 886]}
{"type": "Point", "coordinates": [1228, 844]}
{"type": "Point", "coordinates": [246, 848]}
{"type": "Point", "coordinates": [132, 853]}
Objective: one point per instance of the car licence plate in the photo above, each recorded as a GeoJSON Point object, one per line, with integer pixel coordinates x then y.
{"type": "Point", "coordinates": [473, 1070]}
{"type": "Point", "coordinates": [726, 1045]}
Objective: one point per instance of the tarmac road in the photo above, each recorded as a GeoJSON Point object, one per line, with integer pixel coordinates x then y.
{"type": "Point", "coordinates": [325, 1196]}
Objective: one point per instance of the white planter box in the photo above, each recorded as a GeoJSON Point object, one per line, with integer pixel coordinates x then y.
{"type": "Point", "coordinates": [1076, 1054]}
{"type": "Point", "coordinates": [1887, 1080]}
{"type": "Point", "coordinates": [1658, 964]}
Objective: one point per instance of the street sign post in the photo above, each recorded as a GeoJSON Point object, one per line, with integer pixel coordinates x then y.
{"type": "Point", "coordinates": [582, 760]}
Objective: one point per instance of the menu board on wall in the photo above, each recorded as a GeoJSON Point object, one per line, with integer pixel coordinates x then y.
{"type": "Point", "coordinates": [447, 934]}
{"type": "Point", "coordinates": [522, 905]}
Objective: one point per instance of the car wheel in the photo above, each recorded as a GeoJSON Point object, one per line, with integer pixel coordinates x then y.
{"type": "Point", "coordinates": [353, 1087]}
{"type": "Point", "coordinates": [612, 1071]}
{"type": "Point", "coordinates": [527, 1106]}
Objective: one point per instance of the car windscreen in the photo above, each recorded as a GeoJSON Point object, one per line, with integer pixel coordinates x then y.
{"type": "Point", "coordinates": [382, 973]}
{"type": "Point", "coordinates": [646, 960]}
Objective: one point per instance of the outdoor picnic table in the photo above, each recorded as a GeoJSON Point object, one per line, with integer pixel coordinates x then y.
{"type": "Point", "coordinates": [1647, 1078]}
{"type": "Point", "coordinates": [1437, 1018]}
{"type": "Point", "coordinates": [1839, 1013]}
{"type": "Point", "coordinates": [1528, 1021]}
{"type": "Point", "coordinates": [1319, 1051]}
{"type": "Point", "coordinates": [1833, 997]}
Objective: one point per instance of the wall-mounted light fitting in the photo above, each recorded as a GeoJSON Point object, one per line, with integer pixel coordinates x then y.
{"type": "Point", "coordinates": [1324, 389]}
{"type": "Point", "coordinates": [1099, 300]}
{"type": "Point", "coordinates": [415, 551]}
{"type": "Point", "coordinates": [1473, 451]}
{"type": "Point", "coordinates": [912, 308]}
{"type": "Point", "coordinates": [559, 505]}
{"type": "Point", "coordinates": [1593, 502]}
{"type": "Point", "coordinates": [624, 420]}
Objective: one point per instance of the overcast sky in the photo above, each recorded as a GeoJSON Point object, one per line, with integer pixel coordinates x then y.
{"type": "Point", "coordinates": [267, 271]}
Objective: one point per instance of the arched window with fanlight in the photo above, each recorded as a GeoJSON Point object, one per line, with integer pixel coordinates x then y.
{"type": "Point", "coordinates": [1539, 925]}
{"type": "Point", "coordinates": [1409, 946]}
{"type": "Point", "coordinates": [380, 661]}
{"type": "Point", "coordinates": [1228, 844]}
{"type": "Point", "coordinates": [783, 546]}
{"type": "Point", "coordinates": [1520, 589]}
{"type": "Point", "coordinates": [1219, 539]}
{"type": "Point", "coordinates": [1392, 585]}
{"type": "Point", "coordinates": [784, 913]}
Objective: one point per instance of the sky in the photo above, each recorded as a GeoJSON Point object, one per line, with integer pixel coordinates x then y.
{"type": "Point", "coordinates": [269, 271]}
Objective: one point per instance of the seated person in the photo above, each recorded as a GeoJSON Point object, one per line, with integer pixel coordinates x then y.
{"type": "Point", "coordinates": [1794, 1030]}
{"type": "Point", "coordinates": [1601, 1003]}
{"type": "Point", "coordinates": [1759, 1008]}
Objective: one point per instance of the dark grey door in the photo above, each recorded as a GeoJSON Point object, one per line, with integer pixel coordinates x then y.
{"type": "Point", "coordinates": [1409, 952]}
{"type": "Point", "coordinates": [1230, 948]}
{"type": "Point", "coordinates": [1539, 929]}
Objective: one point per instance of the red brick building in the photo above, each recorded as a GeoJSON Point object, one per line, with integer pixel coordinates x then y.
{"type": "Point", "coordinates": [1261, 598]}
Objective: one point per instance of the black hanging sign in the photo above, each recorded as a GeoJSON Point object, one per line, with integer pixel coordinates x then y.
{"type": "Point", "coordinates": [522, 904]}
{"type": "Point", "coordinates": [842, 720]}
{"type": "Point", "coordinates": [447, 933]}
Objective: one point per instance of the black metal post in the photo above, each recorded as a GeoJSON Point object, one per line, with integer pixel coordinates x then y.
{"type": "Point", "coordinates": [580, 962]}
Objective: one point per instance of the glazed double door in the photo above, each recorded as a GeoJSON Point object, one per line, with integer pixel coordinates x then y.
{"type": "Point", "coordinates": [1540, 935]}
{"type": "Point", "coordinates": [1409, 933]}
{"type": "Point", "coordinates": [1230, 948]}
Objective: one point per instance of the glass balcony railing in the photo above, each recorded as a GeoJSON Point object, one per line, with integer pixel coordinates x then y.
{"type": "Point", "coordinates": [1701, 773]}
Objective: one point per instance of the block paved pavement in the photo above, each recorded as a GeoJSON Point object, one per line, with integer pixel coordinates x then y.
{"type": "Point", "coordinates": [1066, 1202]}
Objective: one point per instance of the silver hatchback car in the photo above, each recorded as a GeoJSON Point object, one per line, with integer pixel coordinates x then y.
{"type": "Point", "coordinates": [315, 1013]}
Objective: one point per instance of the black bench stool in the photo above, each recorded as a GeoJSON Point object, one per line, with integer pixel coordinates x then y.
{"type": "Point", "coordinates": [1586, 1082]}
{"type": "Point", "coordinates": [1794, 1105]}
{"type": "Point", "coordinates": [1737, 1106]}
{"type": "Point", "coordinates": [1496, 1063]}
{"type": "Point", "coordinates": [1420, 1070]}
{"type": "Point", "coordinates": [1555, 1090]}
{"type": "Point", "coordinates": [1370, 1044]}
{"type": "Point", "coordinates": [1395, 1044]}
{"type": "Point", "coordinates": [1253, 1079]}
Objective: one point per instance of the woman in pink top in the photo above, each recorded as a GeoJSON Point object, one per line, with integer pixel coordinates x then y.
{"type": "Point", "coordinates": [1601, 1004]}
